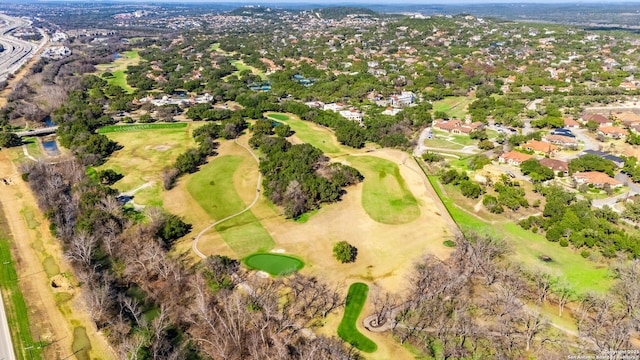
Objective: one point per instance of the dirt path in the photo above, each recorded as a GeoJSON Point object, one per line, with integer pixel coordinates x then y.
{"type": "Point", "coordinates": [32, 243]}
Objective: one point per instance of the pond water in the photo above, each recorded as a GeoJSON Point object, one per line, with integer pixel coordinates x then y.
{"type": "Point", "coordinates": [49, 122]}
{"type": "Point", "coordinates": [51, 148]}
{"type": "Point", "coordinates": [116, 55]}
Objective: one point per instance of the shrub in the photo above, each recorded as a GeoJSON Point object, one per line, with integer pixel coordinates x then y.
{"type": "Point", "coordinates": [585, 253]}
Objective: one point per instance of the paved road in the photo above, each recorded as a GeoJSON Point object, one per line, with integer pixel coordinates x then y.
{"type": "Point", "coordinates": [17, 52]}
{"type": "Point", "coordinates": [6, 346]}
{"type": "Point", "coordinates": [39, 131]}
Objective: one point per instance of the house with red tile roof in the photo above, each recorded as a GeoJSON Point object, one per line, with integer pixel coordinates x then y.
{"type": "Point", "coordinates": [558, 166]}
{"type": "Point", "coordinates": [613, 132]}
{"type": "Point", "coordinates": [539, 146]}
{"type": "Point", "coordinates": [569, 123]}
{"type": "Point", "coordinates": [601, 120]}
{"type": "Point", "coordinates": [514, 158]}
{"type": "Point", "coordinates": [595, 178]}
{"type": "Point", "coordinates": [455, 126]}
{"type": "Point", "coordinates": [562, 141]}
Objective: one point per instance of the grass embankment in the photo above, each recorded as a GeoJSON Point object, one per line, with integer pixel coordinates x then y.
{"type": "Point", "coordinates": [582, 274]}
{"type": "Point", "coordinates": [309, 133]}
{"type": "Point", "coordinates": [15, 307]}
{"type": "Point", "coordinates": [347, 329]}
{"type": "Point", "coordinates": [274, 264]}
{"type": "Point", "coordinates": [147, 150]}
{"type": "Point", "coordinates": [213, 189]}
{"type": "Point", "coordinates": [385, 195]}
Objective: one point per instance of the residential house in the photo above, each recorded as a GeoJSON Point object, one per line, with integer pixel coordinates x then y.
{"type": "Point", "coordinates": [335, 107]}
{"type": "Point", "coordinates": [635, 128]}
{"type": "Point", "coordinates": [628, 118]}
{"type": "Point", "coordinates": [455, 126]}
{"type": "Point", "coordinates": [405, 98]}
{"type": "Point", "coordinates": [514, 158]}
{"type": "Point", "coordinates": [569, 123]}
{"type": "Point", "coordinates": [558, 166]}
{"type": "Point", "coordinates": [352, 114]}
{"type": "Point", "coordinates": [627, 85]}
{"type": "Point", "coordinates": [315, 104]}
{"type": "Point", "coordinates": [613, 132]}
{"type": "Point", "coordinates": [595, 178]}
{"type": "Point", "coordinates": [391, 111]}
{"type": "Point", "coordinates": [615, 159]}
{"type": "Point", "coordinates": [548, 88]}
{"type": "Point", "coordinates": [539, 146]}
{"type": "Point", "coordinates": [562, 141]}
{"type": "Point", "coordinates": [601, 120]}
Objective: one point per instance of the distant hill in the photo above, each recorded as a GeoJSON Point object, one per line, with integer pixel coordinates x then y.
{"type": "Point", "coordinates": [256, 11]}
{"type": "Point", "coordinates": [340, 12]}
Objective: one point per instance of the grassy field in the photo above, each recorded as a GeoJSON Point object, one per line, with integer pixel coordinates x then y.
{"type": "Point", "coordinates": [15, 306]}
{"type": "Point", "coordinates": [347, 329]}
{"type": "Point", "coordinates": [385, 195]}
{"type": "Point", "coordinates": [310, 133]}
{"type": "Point", "coordinates": [583, 275]}
{"type": "Point", "coordinates": [213, 188]}
{"type": "Point", "coordinates": [241, 66]}
{"type": "Point", "coordinates": [147, 150]}
{"type": "Point", "coordinates": [118, 68]}
{"type": "Point", "coordinates": [139, 127]}
{"type": "Point", "coordinates": [274, 264]}
{"type": "Point", "coordinates": [454, 106]}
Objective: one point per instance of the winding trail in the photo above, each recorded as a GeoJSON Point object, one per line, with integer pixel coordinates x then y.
{"type": "Point", "coordinates": [194, 246]}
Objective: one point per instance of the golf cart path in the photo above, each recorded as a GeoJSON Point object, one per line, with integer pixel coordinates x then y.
{"type": "Point", "coordinates": [194, 246]}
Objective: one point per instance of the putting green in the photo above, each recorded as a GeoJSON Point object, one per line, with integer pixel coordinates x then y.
{"type": "Point", "coordinates": [385, 195]}
{"type": "Point", "coordinates": [274, 264]}
{"type": "Point", "coordinates": [347, 329]}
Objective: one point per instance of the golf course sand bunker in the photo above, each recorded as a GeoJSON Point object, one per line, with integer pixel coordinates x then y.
{"type": "Point", "coordinates": [274, 264]}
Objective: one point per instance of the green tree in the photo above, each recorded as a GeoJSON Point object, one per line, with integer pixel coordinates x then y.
{"type": "Point", "coordinates": [8, 139]}
{"type": "Point", "coordinates": [345, 252]}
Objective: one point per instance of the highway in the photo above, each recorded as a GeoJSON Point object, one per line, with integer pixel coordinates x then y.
{"type": "Point", "coordinates": [6, 346]}
{"type": "Point", "coordinates": [16, 52]}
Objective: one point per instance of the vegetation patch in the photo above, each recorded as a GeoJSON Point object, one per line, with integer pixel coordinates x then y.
{"type": "Point", "coordinates": [321, 138]}
{"type": "Point", "coordinates": [140, 127]}
{"type": "Point", "coordinates": [274, 264]}
{"type": "Point", "coordinates": [583, 275]}
{"type": "Point", "coordinates": [347, 329]}
{"type": "Point", "coordinates": [14, 303]}
{"type": "Point", "coordinates": [385, 195]}
{"type": "Point", "coordinates": [81, 344]}
{"type": "Point", "coordinates": [213, 188]}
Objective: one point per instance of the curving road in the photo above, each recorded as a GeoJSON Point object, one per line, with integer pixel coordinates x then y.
{"type": "Point", "coordinates": [194, 246]}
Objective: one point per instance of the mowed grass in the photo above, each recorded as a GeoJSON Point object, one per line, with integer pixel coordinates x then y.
{"type": "Point", "coordinates": [274, 264]}
{"type": "Point", "coordinates": [454, 106]}
{"type": "Point", "coordinates": [213, 189]}
{"type": "Point", "coordinates": [241, 66]}
{"type": "Point", "coordinates": [14, 303]}
{"type": "Point", "coordinates": [385, 195]}
{"type": "Point", "coordinates": [323, 139]}
{"type": "Point", "coordinates": [347, 329]}
{"type": "Point", "coordinates": [146, 150]}
{"type": "Point", "coordinates": [138, 127]}
{"type": "Point", "coordinates": [118, 68]}
{"type": "Point", "coordinates": [583, 275]}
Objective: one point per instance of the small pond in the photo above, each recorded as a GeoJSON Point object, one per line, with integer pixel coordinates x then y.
{"type": "Point", "coordinates": [51, 147]}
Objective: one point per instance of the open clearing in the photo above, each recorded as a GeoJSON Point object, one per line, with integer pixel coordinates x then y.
{"type": "Point", "coordinates": [213, 188]}
{"type": "Point", "coordinates": [311, 133]}
{"type": "Point", "coordinates": [454, 106]}
{"type": "Point", "coordinates": [347, 329]}
{"type": "Point", "coordinates": [582, 274]}
{"type": "Point", "coordinates": [147, 150]}
{"type": "Point", "coordinates": [274, 264]}
{"type": "Point", "coordinates": [118, 68]}
{"type": "Point", "coordinates": [385, 196]}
